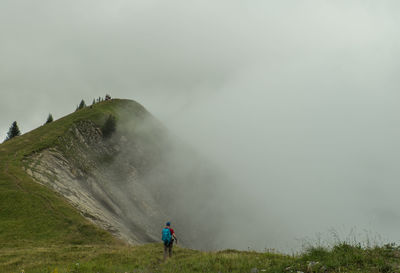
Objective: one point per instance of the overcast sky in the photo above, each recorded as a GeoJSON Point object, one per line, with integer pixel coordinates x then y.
{"type": "Point", "coordinates": [297, 101]}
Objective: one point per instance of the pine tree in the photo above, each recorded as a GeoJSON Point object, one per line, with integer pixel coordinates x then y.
{"type": "Point", "coordinates": [49, 119]}
{"type": "Point", "coordinates": [109, 126]}
{"type": "Point", "coordinates": [13, 131]}
{"type": "Point", "coordinates": [81, 105]}
{"type": "Point", "coordinates": [94, 102]}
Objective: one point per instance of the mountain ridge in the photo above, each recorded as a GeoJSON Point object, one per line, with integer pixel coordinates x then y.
{"type": "Point", "coordinates": [127, 185]}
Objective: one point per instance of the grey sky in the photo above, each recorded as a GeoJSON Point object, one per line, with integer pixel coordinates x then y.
{"type": "Point", "coordinates": [298, 101]}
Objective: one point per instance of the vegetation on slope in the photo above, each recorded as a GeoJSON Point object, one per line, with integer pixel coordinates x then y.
{"type": "Point", "coordinates": [31, 214]}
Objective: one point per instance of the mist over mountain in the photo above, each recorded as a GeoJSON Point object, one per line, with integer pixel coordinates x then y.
{"type": "Point", "coordinates": [295, 103]}
{"type": "Point", "coordinates": [133, 182]}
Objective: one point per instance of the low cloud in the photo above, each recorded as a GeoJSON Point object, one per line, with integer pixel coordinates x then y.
{"type": "Point", "coordinates": [296, 102]}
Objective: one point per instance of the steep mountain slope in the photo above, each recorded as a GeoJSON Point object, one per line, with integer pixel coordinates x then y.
{"type": "Point", "coordinates": [31, 214]}
{"type": "Point", "coordinates": [129, 184]}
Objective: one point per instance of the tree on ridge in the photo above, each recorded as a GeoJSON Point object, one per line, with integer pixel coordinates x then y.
{"type": "Point", "coordinates": [13, 131]}
{"type": "Point", "coordinates": [81, 105]}
{"type": "Point", "coordinates": [49, 119]}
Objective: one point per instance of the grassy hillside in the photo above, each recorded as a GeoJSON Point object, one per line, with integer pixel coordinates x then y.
{"type": "Point", "coordinates": [31, 214]}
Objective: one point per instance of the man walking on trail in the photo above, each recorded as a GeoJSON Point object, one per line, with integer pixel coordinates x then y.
{"type": "Point", "coordinates": [168, 237]}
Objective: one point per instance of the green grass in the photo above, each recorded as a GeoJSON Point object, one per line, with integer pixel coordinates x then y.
{"type": "Point", "coordinates": [145, 258]}
{"type": "Point", "coordinates": [149, 258]}
{"type": "Point", "coordinates": [346, 257]}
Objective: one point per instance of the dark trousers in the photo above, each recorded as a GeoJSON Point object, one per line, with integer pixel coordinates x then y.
{"type": "Point", "coordinates": [168, 250]}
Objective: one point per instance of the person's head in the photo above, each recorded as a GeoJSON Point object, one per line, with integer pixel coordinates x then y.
{"type": "Point", "coordinates": [168, 224]}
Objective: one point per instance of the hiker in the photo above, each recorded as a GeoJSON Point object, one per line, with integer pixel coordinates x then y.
{"type": "Point", "coordinates": [168, 237]}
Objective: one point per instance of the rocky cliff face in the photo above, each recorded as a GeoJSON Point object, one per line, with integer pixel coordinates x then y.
{"type": "Point", "coordinates": [132, 183]}
{"type": "Point", "coordinates": [105, 185]}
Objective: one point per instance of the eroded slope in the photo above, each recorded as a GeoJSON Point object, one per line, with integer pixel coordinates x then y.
{"type": "Point", "coordinates": [95, 175]}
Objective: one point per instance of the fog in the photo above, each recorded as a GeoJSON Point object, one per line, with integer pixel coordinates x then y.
{"type": "Point", "coordinates": [296, 102]}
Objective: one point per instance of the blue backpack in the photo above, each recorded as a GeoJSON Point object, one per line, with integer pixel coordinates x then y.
{"type": "Point", "coordinates": [166, 236]}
